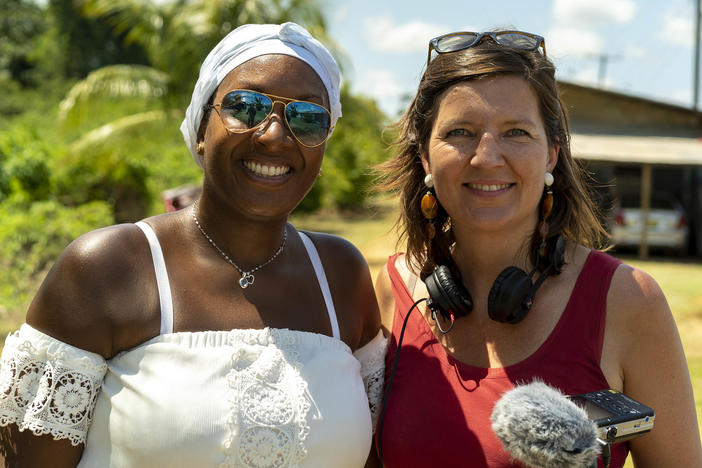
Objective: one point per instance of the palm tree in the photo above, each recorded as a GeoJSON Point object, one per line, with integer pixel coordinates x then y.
{"type": "Point", "coordinates": [176, 35]}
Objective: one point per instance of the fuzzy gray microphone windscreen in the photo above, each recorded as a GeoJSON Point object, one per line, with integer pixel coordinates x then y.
{"type": "Point", "coordinates": [542, 428]}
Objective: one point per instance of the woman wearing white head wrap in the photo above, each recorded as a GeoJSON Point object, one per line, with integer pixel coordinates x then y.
{"type": "Point", "coordinates": [217, 335]}
{"type": "Point", "coordinates": [253, 40]}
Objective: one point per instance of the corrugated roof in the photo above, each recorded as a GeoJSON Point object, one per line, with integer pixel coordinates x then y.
{"type": "Point", "coordinates": [638, 149]}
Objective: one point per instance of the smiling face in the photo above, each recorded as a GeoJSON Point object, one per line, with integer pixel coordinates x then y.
{"type": "Point", "coordinates": [488, 153]}
{"type": "Point", "coordinates": [263, 172]}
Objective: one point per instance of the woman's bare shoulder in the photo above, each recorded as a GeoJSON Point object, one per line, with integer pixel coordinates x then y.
{"type": "Point", "coordinates": [100, 283]}
{"type": "Point", "coordinates": [385, 298]}
{"type": "Point", "coordinates": [352, 287]}
{"type": "Point", "coordinates": [634, 295]}
{"type": "Point", "coordinates": [643, 334]}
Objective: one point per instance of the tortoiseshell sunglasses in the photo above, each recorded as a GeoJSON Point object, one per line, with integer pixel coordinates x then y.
{"type": "Point", "coordinates": [453, 42]}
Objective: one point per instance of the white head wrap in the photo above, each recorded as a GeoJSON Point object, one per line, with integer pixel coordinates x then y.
{"type": "Point", "coordinates": [247, 42]}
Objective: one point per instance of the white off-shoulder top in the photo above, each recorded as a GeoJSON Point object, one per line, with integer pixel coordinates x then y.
{"type": "Point", "coordinates": [239, 398]}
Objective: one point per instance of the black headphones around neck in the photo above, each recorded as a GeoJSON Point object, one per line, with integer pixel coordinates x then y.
{"type": "Point", "coordinates": [510, 298]}
{"type": "Point", "coordinates": [509, 301]}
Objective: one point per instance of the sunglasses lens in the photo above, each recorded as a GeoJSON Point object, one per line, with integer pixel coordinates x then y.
{"type": "Point", "coordinates": [517, 40]}
{"type": "Point", "coordinates": [455, 42]}
{"type": "Point", "coordinates": [309, 122]}
{"type": "Point", "coordinates": [242, 110]}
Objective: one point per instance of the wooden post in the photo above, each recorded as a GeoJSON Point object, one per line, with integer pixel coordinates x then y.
{"type": "Point", "coordinates": [646, 177]}
{"type": "Point", "coordinates": [696, 69]}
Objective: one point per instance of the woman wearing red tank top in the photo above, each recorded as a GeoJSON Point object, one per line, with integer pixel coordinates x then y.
{"type": "Point", "coordinates": [497, 213]}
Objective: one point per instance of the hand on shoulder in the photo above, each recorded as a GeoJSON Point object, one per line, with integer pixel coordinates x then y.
{"type": "Point", "coordinates": [100, 282]}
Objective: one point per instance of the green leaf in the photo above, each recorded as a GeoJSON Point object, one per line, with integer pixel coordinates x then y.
{"type": "Point", "coordinates": [110, 83]}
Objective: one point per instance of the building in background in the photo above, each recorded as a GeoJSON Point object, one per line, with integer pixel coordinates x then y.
{"type": "Point", "coordinates": [636, 147]}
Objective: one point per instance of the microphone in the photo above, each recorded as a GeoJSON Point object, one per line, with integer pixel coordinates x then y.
{"type": "Point", "coordinates": [542, 428]}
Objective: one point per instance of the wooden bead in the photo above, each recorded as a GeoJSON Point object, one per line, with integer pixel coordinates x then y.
{"type": "Point", "coordinates": [430, 231]}
{"type": "Point", "coordinates": [429, 206]}
{"type": "Point", "coordinates": [547, 205]}
{"type": "Point", "coordinates": [543, 229]}
{"type": "Point", "coordinates": [542, 250]}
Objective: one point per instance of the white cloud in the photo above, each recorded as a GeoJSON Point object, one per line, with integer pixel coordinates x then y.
{"type": "Point", "coordinates": [678, 29]}
{"type": "Point", "coordinates": [383, 86]}
{"type": "Point", "coordinates": [466, 28]}
{"type": "Point", "coordinates": [570, 41]}
{"type": "Point", "coordinates": [385, 36]}
{"type": "Point", "coordinates": [635, 52]}
{"type": "Point", "coordinates": [590, 13]}
{"type": "Point", "coordinates": [586, 76]}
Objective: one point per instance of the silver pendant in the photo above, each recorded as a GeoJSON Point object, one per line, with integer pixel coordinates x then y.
{"type": "Point", "coordinates": [246, 280]}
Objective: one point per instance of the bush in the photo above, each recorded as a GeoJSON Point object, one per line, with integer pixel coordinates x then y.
{"type": "Point", "coordinates": [31, 238]}
{"type": "Point", "coordinates": [24, 170]}
{"type": "Point", "coordinates": [127, 163]}
{"type": "Point", "coordinates": [353, 149]}
{"type": "Point", "coordinates": [108, 177]}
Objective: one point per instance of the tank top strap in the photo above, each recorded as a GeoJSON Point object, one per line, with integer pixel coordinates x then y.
{"type": "Point", "coordinates": [164, 286]}
{"type": "Point", "coordinates": [586, 312]}
{"type": "Point", "coordinates": [401, 294]}
{"type": "Point", "coordinates": [323, 284]}
{"type": "Point", "coordinates": [417, 331]}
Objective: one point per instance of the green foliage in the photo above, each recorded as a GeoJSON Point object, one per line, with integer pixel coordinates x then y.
{"type": "Point", "coordinates": [121, 68]}
{"type": "Point", "coordinates": [20, 23]}
{"type": "Point", "coordinates": [176, 35]}
{"type": "Point", "coordinates": [24, 171]}
{"type": "Point", "coordinates": [107, 177]}
{"type": "Point", "coordinates": [10, 99]}
{"type": "Point", "coordinates": [129, 88]}
{"type": "Point", "coordinates": [31, 238]}
{"type": "Point", "coordinates": [85, 43]}
{"type": "Point", "coordinates": [170, 34]}
{"type": "Point", "coordinates": [128, 162]}
{"type": "Point", "coordinates": [353, 149]}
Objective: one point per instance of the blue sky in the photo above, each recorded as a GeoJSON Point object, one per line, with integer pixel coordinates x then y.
{"type": "Point", "coordinates": [649, 43]}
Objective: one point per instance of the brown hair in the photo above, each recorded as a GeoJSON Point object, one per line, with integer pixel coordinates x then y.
{"type": "Point", "coordinates": [574, 214]}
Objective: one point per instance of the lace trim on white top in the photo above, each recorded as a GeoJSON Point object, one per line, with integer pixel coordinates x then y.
{"type": "Point", "coordinates": [372, 359]}
{"type": "Point", "coordinates": [48, 386]}
{"type": "Point", "coordinates": [268, 421]}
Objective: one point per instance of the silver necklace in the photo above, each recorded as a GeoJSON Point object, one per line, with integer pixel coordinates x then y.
{"type": "Point", "coordinates": [247, 277]}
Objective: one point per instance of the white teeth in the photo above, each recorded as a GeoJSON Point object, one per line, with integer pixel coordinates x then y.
{"type": "Point", "coordinates": [488, 188]}
{"type": "Point", "coordinates": [266, 171]}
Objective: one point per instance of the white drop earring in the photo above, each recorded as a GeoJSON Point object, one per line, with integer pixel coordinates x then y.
{"type": "Point", "coordinates": [548, 179]}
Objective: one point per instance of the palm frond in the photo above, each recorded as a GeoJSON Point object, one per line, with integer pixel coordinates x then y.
{"type": "Point", "coordinates": [112, 82]}
{"type": "Point", "coordinates": [132, 127]}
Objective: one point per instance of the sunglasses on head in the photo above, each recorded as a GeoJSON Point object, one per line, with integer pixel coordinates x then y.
{"type": "Point", "coordinates": [242, 110]}
{"type": "Point", "coordinates": [453, 42]}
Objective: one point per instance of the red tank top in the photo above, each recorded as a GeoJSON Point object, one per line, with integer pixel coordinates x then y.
{"type": "Point", "coordinates": [438, 411]}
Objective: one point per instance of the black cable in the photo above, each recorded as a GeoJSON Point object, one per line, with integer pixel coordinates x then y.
{"type": "Point", "coordinates": [390, 379]}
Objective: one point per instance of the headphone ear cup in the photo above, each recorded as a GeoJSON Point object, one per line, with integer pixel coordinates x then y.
{"type": "Point", "coordinates": [446, 294]}
{"type": "Point", "coordinates": [511, 296]}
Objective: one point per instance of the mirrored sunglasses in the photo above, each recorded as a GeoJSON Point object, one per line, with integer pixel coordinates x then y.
{"type": "Point", "coordinates": [453, 42]}
{"type": "Point", "coordinates": [242, 110]}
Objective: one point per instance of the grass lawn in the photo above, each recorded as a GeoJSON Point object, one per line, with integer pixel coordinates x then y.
{"type": "Point", "coordinates": [681, 281]}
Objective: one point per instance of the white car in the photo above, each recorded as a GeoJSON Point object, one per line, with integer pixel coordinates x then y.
{"type": "Point", "coordinates": [668, 226]}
